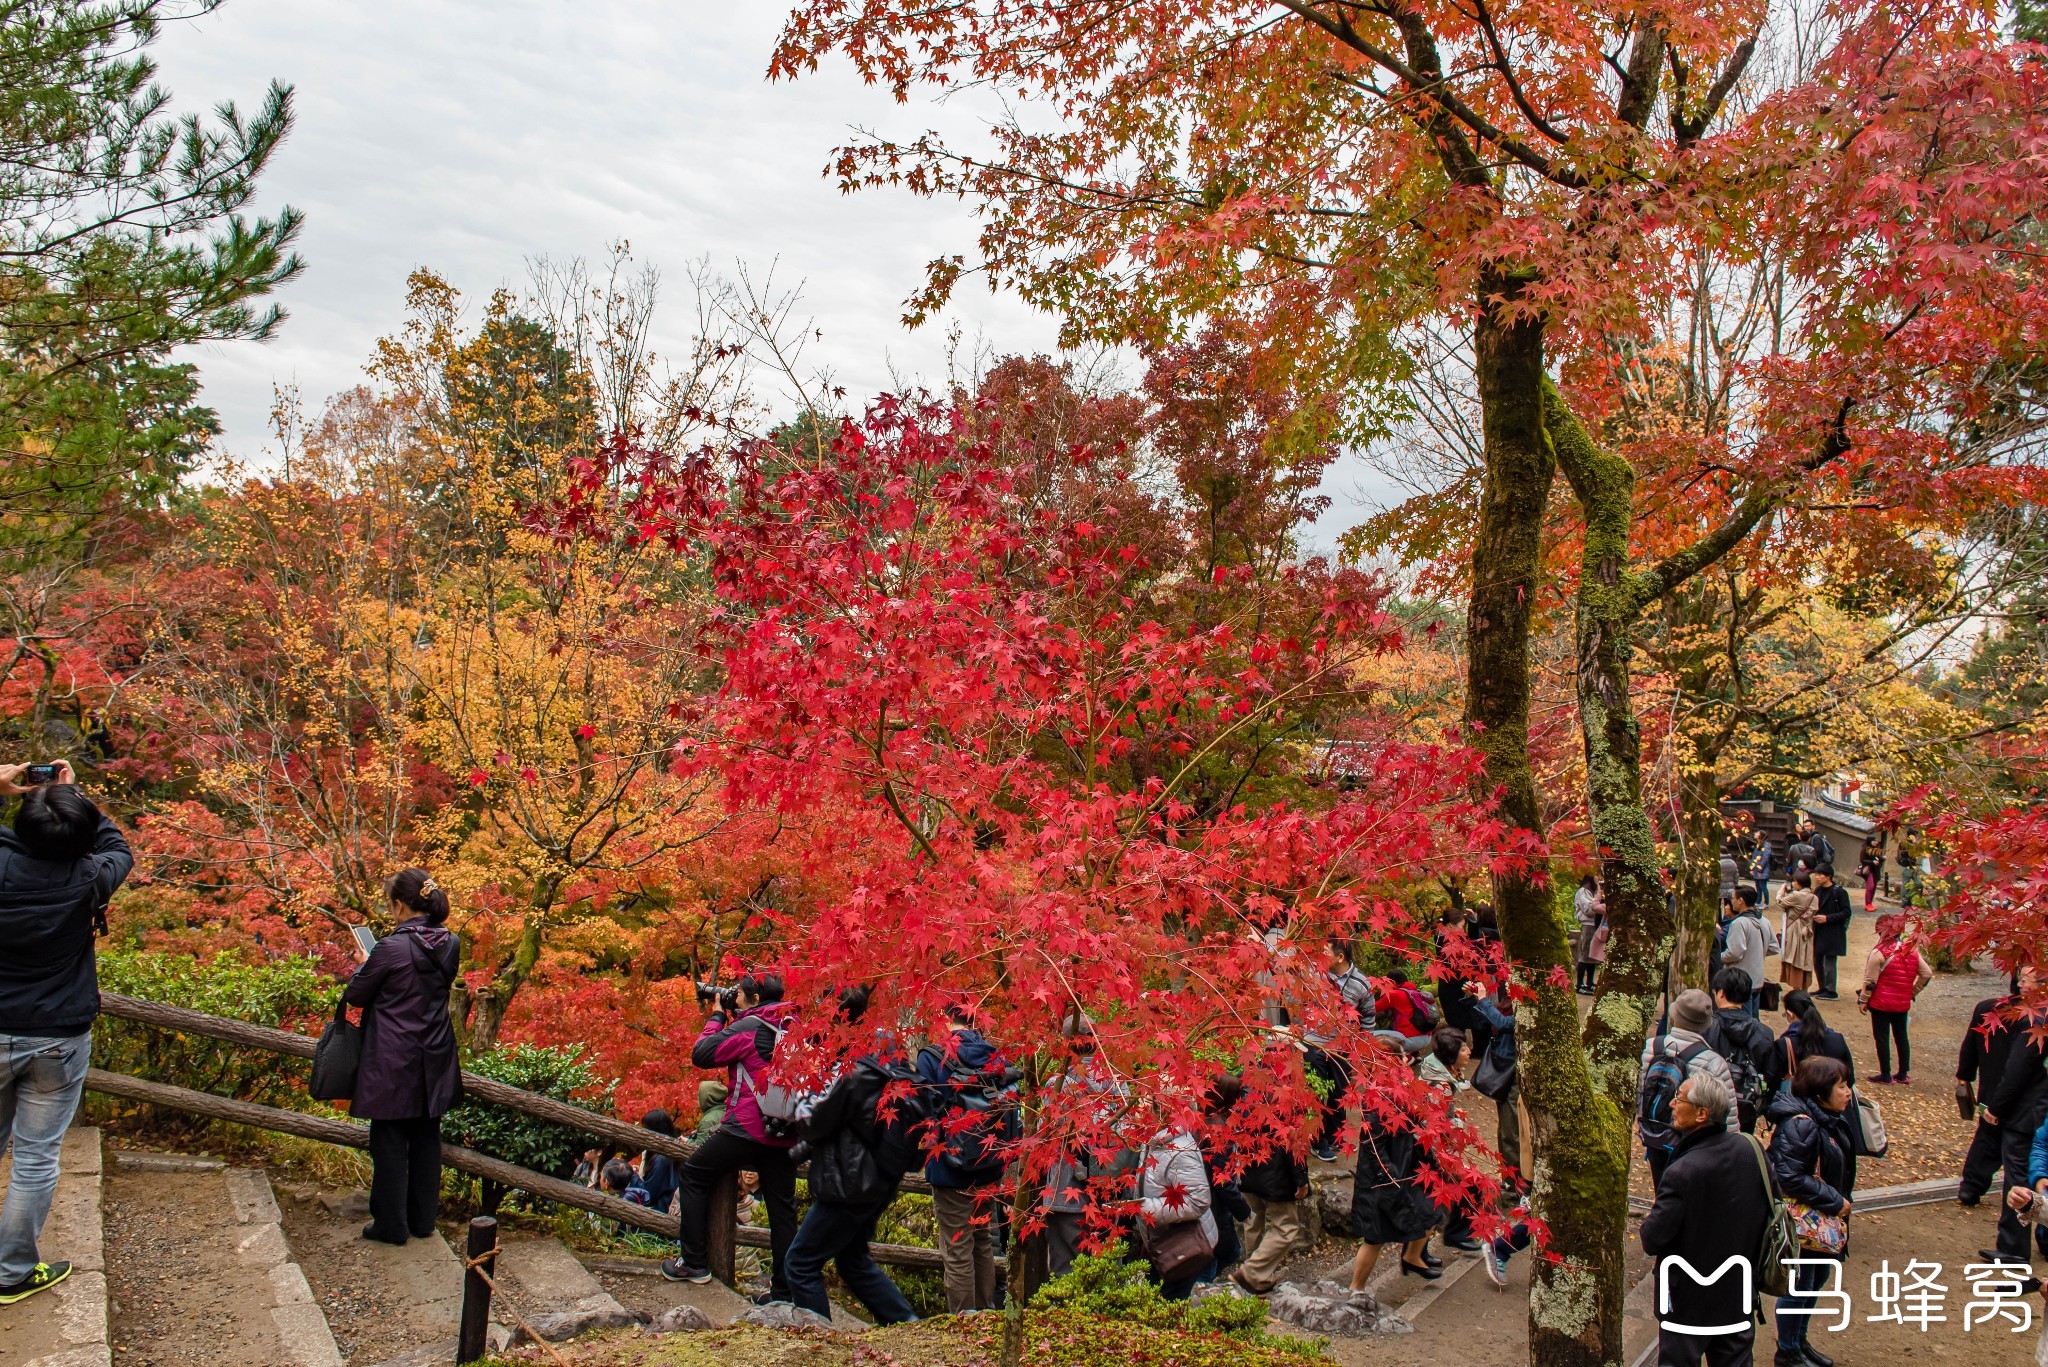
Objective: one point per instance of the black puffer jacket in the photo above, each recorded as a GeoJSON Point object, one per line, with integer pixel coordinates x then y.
{"type": "Point", "coordinates": [1813, 1153]}
{"type": "Point", "coordinates": [859, 1156]}
{"type": "Point", "coordinates": [49, 983]}
{"type": "Point", "coordinates": [1276, 1177]}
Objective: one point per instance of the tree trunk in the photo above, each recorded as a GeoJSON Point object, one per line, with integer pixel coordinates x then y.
{"type": "Point", "coordinates": [1699, 899]}
{"type": "Point", "coordinates": [487, 1015]}
{"type": "Point", "coordinates": [1580, 1171]}
{"type": "Point", "coordinates": [1610, 600]}
{"type": "Point", "coordinates": [1023, 1200]}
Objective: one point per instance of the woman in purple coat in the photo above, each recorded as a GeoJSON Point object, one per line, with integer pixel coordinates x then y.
{"type": "Point", "coordinates": [409, 1076]}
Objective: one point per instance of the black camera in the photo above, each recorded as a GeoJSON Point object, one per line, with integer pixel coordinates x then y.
{"type": "Point", "coordinates": [727, 998]}
{"type": "Point", "coordinates": [34, 775]}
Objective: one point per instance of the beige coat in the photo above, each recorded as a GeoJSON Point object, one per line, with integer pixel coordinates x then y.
{"type": "Point", "coordinates": [1797, 906]}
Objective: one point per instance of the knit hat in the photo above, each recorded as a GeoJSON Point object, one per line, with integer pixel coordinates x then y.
{"type": "Point", "coordinates": [1692, 1010]}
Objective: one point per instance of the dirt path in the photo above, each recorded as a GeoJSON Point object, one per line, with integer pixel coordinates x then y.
{"type": "Point", "coordinates": [380, 1301]}
{"type": "Point", "coordinates": [178, 1296]}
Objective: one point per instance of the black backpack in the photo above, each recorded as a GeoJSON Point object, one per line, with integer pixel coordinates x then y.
{"type": "Point", "coordinates": [1661, 1081]}
{"type": "Point", "coordinates": [1742, 1070]}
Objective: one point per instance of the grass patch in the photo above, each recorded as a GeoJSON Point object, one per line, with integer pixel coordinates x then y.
{"type": "Point", "coordinates": [1053, 1338]}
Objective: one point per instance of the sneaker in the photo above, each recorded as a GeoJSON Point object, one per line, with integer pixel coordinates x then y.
{"type": "Point", "coordinates": [1496, 1266]}
{"type": "Point", "coordinates": [1903, 1081]}
{"type": "Point", "coordinates": [1882, 1079]}
{"type": "Point", "coordinates": [1463, 1245]}
{"type": "Point", "coordinates": [377, 1236]}
{"type": "Point", "coordinates": [1326, 1152]}
{"type": "Point", "coordinates": [40, 1278]}
{"type": "Point", "coordinates": [676, 1270]}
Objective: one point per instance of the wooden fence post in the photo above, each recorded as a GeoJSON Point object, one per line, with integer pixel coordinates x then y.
{"type": "Point", "coordinates": [722, 1224]}
{"type": "Point", "coordinates": [470, 1343]}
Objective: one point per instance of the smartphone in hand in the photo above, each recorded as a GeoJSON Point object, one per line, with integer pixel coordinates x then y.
{"type": "Point", "coordinates": [366, 938]}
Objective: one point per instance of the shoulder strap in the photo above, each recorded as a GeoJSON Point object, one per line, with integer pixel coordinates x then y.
{"type": "Point", "coordinates": [1764, 1167]}
{"type": "Point", "coordinates": [1693, 1051]}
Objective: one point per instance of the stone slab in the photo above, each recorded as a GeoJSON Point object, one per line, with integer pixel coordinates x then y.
{"type": "Point", "coordinates": [249, 1190]}
{"type": "Point", "coordinates": [545, 1277]}
{"type": "Point", "coordinates": [134, 1160]}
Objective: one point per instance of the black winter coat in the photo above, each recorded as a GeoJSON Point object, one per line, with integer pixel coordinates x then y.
{"type": "Point", "coordinates": [49, 983]}
{"type": "Point", "coordinates": [1987, 1044]}
{"type": "Point", "coordinates": [1813, 1152]}
{"type": "Point", "coordinates": [1388, 1204]}
{"type": "Point", "coordinates": [1711, 1205]}
{"type": "Point", "coordinates": [2021, 1096]}
{"type": "Point", "coordinates": [1831, 921]}
{"type": "Point", "coordinates": [858, 1156]}
{"type": "Point", "coordinates": [409, 1068]}
{"type": "Point", "coordinates": [1276, 1177]}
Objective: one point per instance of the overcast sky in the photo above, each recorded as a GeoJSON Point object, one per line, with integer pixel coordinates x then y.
{"type": "Point", "coordinates": [469, 137]}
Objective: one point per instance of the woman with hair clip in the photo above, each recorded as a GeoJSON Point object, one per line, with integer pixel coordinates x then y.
{"type": "Point", "coordinates": [409, 1076]}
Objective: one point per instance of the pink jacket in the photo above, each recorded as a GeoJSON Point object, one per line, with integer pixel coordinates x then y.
{"type": "Point", "coordinates": [745, 1044]}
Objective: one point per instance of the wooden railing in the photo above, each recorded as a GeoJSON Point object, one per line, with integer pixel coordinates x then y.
{"type": "Point", "coordinates": [725, 1233]}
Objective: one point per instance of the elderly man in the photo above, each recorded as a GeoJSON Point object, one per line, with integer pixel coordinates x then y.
{"type": "Point", "coordinates": [1712, 1205]}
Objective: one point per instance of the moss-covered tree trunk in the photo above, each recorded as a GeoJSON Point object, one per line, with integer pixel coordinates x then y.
{"type": "Point", "coordinates": [1699, 894]}
{"type": "Point", "coordinates": [1610, 599]}
{"type": "Point", "coordinates": [1579, 1177]}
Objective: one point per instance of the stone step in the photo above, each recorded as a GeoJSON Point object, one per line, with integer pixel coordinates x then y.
{"type": "Point", "coordinates": [199, 1259]}
{"type": "Point", "coordinates": [67, 1325]}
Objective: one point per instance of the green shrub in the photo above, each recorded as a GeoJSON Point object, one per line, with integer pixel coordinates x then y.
{"type": "Point", "coordinates": [557, 1071]}
{"type": "Point", "coordinates": [911, 1220]}
{"type": "Point", "coordinates": [290, 992]}
{"type": "Point", "coordinates": [1108, 1287]}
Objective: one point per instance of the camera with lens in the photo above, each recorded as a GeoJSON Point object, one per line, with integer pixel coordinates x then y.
{"type": "Point", "coordinates": [726, 998]}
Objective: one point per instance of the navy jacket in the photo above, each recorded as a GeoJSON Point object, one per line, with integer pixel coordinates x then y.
{"type": "Point", "coordinates": [974, 1054]}
{"type": "Point", "coordinates": [49, 983]}
{"type": "Point", "coordinates": [1813, 1153]}
{"type": "Point", "coordinates": [409, 1069]}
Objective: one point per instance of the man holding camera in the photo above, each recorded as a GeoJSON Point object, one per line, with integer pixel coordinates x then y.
{"type": "Point", "coordinates": [59, 864]}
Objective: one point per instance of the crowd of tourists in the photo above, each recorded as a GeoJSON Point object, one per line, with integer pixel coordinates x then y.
{"type": "Point", "coordinates": [1200, 1204]}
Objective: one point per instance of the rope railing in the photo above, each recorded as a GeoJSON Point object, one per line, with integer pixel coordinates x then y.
{"type": "Point", "coordinates": [725, 1233]}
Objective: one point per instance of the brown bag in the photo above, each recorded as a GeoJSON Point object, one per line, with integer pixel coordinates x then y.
{"type": "Point", "coordinates": [1178, 1250]}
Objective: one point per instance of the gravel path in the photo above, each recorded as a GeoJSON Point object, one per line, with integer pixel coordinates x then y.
{"type": "Point", "coordinates": [178, 1296]}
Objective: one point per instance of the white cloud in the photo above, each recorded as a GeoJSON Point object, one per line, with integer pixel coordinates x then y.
{"type": "Point", "coordinates": [469, 137]}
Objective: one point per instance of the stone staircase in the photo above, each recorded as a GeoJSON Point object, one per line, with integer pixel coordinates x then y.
{"type": "Point", "coordinates": [185, 1261]}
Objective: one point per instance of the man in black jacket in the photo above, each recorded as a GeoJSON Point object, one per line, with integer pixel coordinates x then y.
{"type": "Point", "coordinates": [1744, 1041]}
{"type": "Point", "coordinates": [1275, 1188]}
{"type": "Point", "coordinates": [58, 866]}
{"type": "Point", "coordinates": [1830, 929]}
{"type": "Point", "coordinates": [1980, 1063]}
{"type": "Point", "coordinates": [2016, 1108]}
{"type": "Point", "coordinates": [1712, 1205]}
{"type": "Point", "coordinates": [860, 1144]}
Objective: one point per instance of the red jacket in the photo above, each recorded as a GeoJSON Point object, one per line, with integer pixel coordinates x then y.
{"type": "Point", "coordinates": [1894, 989]}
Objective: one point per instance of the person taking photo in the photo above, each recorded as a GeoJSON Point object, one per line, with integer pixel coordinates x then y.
{"type": "Point", "coordinates": [59, 864]}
